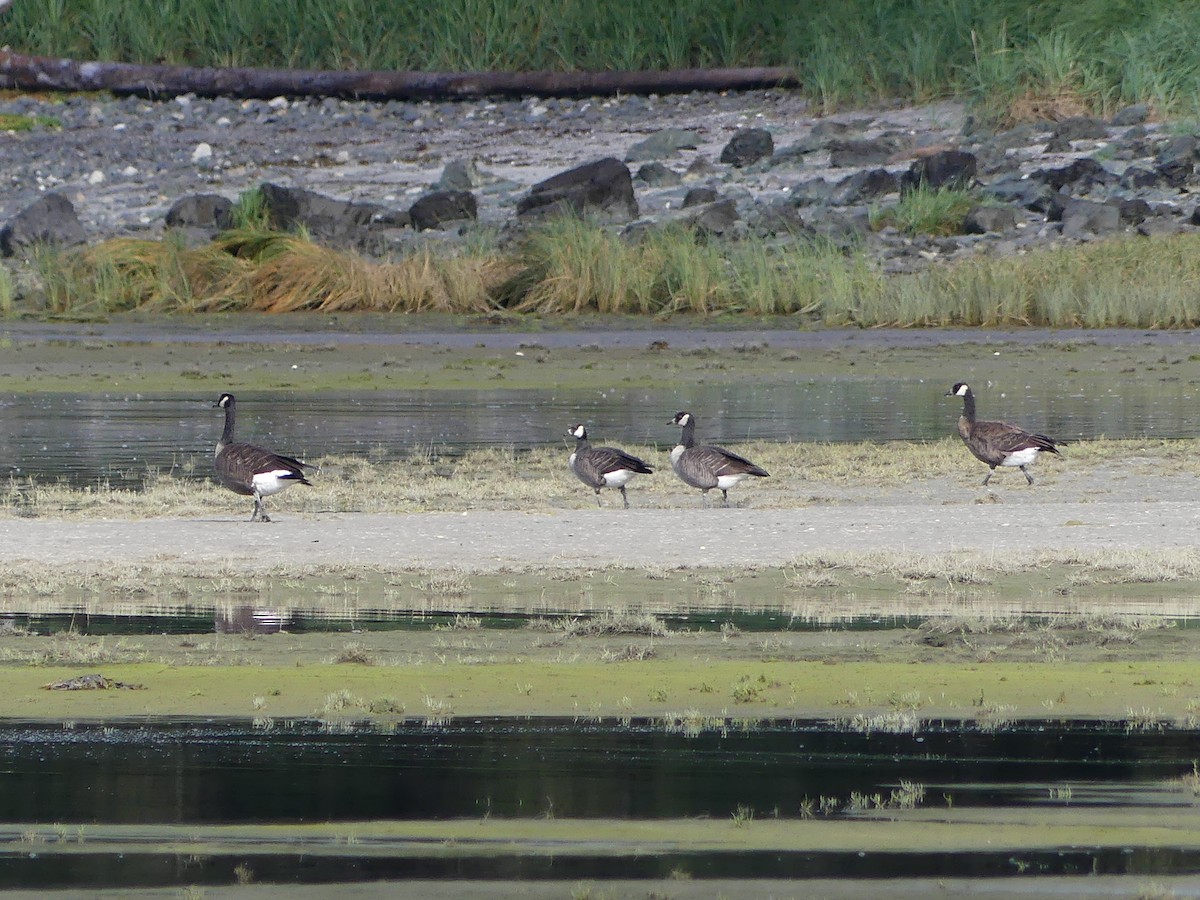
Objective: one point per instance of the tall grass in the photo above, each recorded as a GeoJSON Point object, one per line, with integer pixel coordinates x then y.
{"type": "Point", "coordinates": [1017, 57]}
{"type": "Point", "coordinates": [570, 266]}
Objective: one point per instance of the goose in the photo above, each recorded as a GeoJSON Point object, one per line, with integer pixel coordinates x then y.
{"type": "Point", "coordinates": [999, 443]}
{"type": "Point", "coordinates": [601, 467]}
{"type": "Point", "coordinates": [707, 467]}
{"type": "Point", "coordinates": [253, 471]}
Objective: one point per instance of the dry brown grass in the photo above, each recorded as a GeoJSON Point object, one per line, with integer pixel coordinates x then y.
{"type": "Point", "coordinates": [497, 478]}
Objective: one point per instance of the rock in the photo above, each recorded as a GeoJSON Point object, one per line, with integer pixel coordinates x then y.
{"type": "Point", "coordinates": [328, 220]}
{"type": "Point", "coordinates": [603, 189]}
{"type": "Point", "coordinates": [1024, 192]}
{"type": "Point", "coordinates": [1084, 219]}
{"type": "Point", "coordinates": [844, 229]}
{"type": "Point", "coordinates": [1131, 115]}
{"type": "Point", "coordinates": [1134, 211]}
{"type": "Point", "coordinates": [699, 195]}
{"type": "Point", "coordinates": [865, 185]}
{"type": "Point", "coordinates": [1159, 226]}
{"type": "Point", "coordinates": [1080, 176]}
{"type": "Point", "coordinates": [770, 219]}
{"type": "Point", "coordinates": [50, 220]}
{"type": "Point", "coordinates": [985, 219]}
{"type": "Point", "coordinates": [206, 211]}
{"type": "Point", "coordinates": [860, 153]}
{"type": "Point", "coordinates": [816, 191]}
{"type": "Point", "coordinates": [460, 175]}
{"type": "Point", "coordinates": [1079, 128]}
{"type": "Point", "coordinates": [1135, 178]}
{"type": "Point", "coordinates": [748, 145]}
{"type": "Point", "coordinates": [947, 169]}
{"type": "Point", "coordinates": [437, 208]}
{"type": "Point", "coordinates": [699, 168]}
{"type": "Point", "coordinates": [662, 144]}
{"type": "Point", "coordinates": [655, 174]}
{"type": "Point", "coordinates": [1175, 161]}
{"type": "Point", "coordinates": [709, 219]}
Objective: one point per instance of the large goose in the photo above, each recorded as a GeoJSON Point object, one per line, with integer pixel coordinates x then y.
{"type": "Point", "coordinates": [601, 467]}
{"type": "Point", "coordinates": [253, 471]}
{"type": "Point", "coordinates": [707, 467]}
{"type": "Point", "coordinates": [999, 443]}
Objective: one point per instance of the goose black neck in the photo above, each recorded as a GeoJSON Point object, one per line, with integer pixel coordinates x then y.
{"type": "Point", "coordinates": [227, 434]}
{"type": "Point", "coordinates": [688, 438]}
{"type": "Point", "coordinates": [969, 406]}
{"type": "Point", "coordinates": [582, 443]}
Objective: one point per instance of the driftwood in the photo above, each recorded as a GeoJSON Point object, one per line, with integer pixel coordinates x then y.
{"type": "Point", "coordinates": [43, 73]}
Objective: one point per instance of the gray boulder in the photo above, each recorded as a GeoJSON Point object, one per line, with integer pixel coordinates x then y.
{"type": "Point", "coordinates": [1079, 176]}
{"type": "Point", "coordinates": [438, 208]}
{"type": "Point", "coordinates": [1083, 219]}
{"type": "Point", "coordinates": [663, 144]}
{"type": "Point", "coordinates": [602, 189]}
{"type": "Point", "coordinates": [698, 196]}
{"type": "Point", "coordinates": [49, 220]}
{"type": "Point", "coordinates": [326, 219]}
{"type": "Point", "coordinates": [201, 211]}
{"type": "Point", "coordinates": [1131, 115]}
{"type": "Point", "coordinates": [949, 169]}
{"type": "Point", "coordinates": [860, 153]}
{"type": "Point", "coordinates": [770, 219]}
{"type": "Point", "coordinates": [866, 184]}
{"type": "Point", "coordinates": [985, 219]}
{"type": "Point", "coordinates": [655, 174]}
{"type": "Point", "coordinates": [748, 145]}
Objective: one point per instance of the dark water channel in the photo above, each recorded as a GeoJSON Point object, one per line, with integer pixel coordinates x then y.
{"type": "Point", "coordinates": [210, 773]}
{"type": "Point", "coordinates": [84, 438]}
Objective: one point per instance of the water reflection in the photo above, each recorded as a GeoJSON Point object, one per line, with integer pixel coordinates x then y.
{"type": "Point", "coordinates": [521, 768]}
{"type": "Point", "coordinates": [121, 437]}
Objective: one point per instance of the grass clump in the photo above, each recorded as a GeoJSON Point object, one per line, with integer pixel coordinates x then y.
{"type": "Point", "coordinates": [16, 122]}
{"type": "Point", "coordinates": [935, 211]}
{"type": "Point", "coordinates": [571, 266]}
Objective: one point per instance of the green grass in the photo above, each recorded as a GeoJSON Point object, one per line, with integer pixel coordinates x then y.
{"type": "Point", "coordinates": [1014, 57]}
{"type": "Point", "coordinates": [937, 212]}
{"type": "Point", "coordinates": [15, 122]}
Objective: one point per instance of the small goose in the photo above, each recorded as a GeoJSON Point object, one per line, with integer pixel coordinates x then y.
{"type": "Point", "coordinates": [998, 443]}
{"type": "Point", "coordinates": [253, 471]}
{"type": "Point", "coordinates": [601, 467]}
{"type": "Point", "coordinates": [707, 467]}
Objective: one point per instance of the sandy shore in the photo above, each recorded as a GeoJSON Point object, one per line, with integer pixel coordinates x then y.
{"type": "Point", "coordinates": [694, 537]}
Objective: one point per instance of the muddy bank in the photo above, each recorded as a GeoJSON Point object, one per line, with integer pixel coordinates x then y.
{"type": "Point", "coordinates": [317, 353]}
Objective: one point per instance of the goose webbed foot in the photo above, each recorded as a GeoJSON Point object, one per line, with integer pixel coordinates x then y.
{"type": "Point", "coordinates": [624, 497]}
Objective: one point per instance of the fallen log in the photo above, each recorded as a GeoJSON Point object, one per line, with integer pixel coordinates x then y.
{"type": "Point", "coordinates": [44, 73]}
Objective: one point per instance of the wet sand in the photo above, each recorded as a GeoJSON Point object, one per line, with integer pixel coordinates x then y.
{"type": "Point", "coordinates": [694, 537]}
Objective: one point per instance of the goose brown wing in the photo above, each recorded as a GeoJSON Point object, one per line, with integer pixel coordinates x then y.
{"type": "Point", "coordinates": [726, 462]}
{"type": "Point", "coordinates": [610, 459]}
{"type": "Point", "coordinates": [1003, 438]}
{"type": "Point", "coordinates": [239, 463]}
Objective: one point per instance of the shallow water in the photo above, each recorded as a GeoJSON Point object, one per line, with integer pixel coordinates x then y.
{"type": "Point", "coordinates": [197, 773]}
{"type": "Point", "coordinates": [85, 438]}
